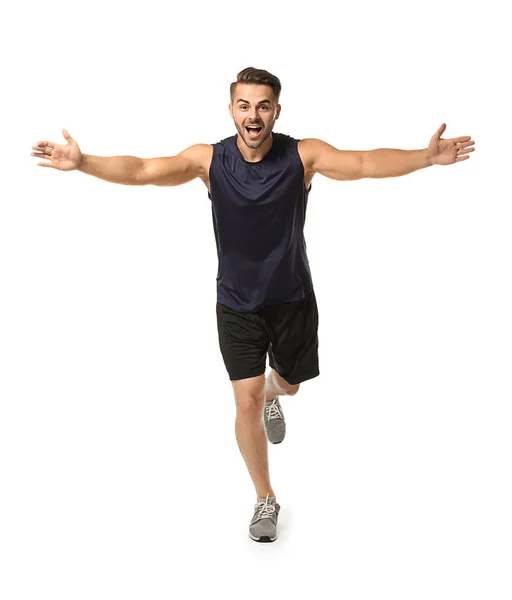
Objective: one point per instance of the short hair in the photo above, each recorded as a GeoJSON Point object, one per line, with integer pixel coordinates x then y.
{"type": "Point", "coordinates": [259, 77]}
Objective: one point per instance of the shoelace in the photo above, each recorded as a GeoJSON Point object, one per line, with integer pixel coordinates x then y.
{"type": "Point", "coordinates": [266, 509]}
{"type": "Point", "coordinates": [273, 411]}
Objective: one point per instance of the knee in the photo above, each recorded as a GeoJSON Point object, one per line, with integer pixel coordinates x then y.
{"type": "Point", "coordinates": [292, 389]}
{"type": "Point", "coordinates": [249, 396]}
{"type": "Point", "coordinates": [250, 405]}
{"type": "Point", "coordinates": [289, 390]}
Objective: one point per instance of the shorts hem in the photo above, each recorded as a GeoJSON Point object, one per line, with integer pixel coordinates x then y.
{"type": "Point", "coordinates": [246, 375]}
{"type": "Point", "coordinates": [303, 378]}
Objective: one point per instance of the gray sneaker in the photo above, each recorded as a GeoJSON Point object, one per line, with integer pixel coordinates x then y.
{"type": "Point", "coordinates": [274, 421]}
{"type": "Point", "coordinates": [263, 527]}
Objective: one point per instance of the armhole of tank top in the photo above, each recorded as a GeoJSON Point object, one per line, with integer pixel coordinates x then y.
{"type": "Point", "coordinates": [214, 150]}
{"type": "Point", "coordinates": [303, 169]}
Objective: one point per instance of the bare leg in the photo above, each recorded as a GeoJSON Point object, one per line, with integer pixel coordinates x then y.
{"type": "Point", "coordinates": [275, 385]}
{"type": "Point", "coordinates": [250, 431]}
{"type": "Point", "coordinates": [250, 396]}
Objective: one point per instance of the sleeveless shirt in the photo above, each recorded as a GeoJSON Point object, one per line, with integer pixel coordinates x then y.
{"type": "Point", "coordinates": [258, 212]}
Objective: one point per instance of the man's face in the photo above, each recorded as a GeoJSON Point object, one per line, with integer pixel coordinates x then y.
{"type": "Point", "coordinates": [254, 104]}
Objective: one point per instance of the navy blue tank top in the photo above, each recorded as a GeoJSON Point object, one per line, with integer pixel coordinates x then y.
{"type": "Point", "coordinates": [259, 211]}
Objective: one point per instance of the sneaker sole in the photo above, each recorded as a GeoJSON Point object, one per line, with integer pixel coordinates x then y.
{"type": "Point", "coordinates": [263, 538]}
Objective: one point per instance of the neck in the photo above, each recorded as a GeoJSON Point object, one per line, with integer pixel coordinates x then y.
{"type": "Point", "coordinates": [254, 154]}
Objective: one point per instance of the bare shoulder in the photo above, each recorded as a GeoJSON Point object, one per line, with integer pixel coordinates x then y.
{"type": "Point", "coordinates": [320, 157]}
{"type": "Point", "coordinates": [309, 149]}
{"type": "Point", "coordinates": [192, 162]}
{"type": "Point", "coordinates": [201, 156]}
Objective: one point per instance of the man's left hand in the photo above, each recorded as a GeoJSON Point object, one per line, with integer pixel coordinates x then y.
{"type": "Point", "coordinates": [447, 152]}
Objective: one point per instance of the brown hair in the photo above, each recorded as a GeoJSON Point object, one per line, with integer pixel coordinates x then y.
{"type": "Point", "coordinates": [257, 76]}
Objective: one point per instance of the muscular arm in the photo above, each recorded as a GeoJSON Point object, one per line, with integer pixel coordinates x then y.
{"type": "Point", "coordinates": [116, 169]}
{"type": "Point", "coordinates": [165, 171]}
{"type": "Point", "coordinates": [390, 162]}
{"type": "Point", "coordinates": [176, 170]}
{"type": "Point", "coordinates": [320, 157]}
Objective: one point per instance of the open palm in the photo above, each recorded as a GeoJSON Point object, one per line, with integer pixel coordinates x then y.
{"type": "Point", "coordinates": [62, 157]}
{"type": "Point", "coordinates": [447, 152]}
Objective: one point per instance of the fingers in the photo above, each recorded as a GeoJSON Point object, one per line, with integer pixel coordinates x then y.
{"type": "Point", "coordinates": [45, 152]}
{"type": "Point", "coordinates": [65, 133]}
{"type": "Point", "coordinates": [461, 151]}
{"type": "Point", "coordinates": [440, 131]}
{"type": "Point", "coordinates": [42, 149]}
{"type": "Point", "coordinates": [463, 154]}
{"type": "Point", "coordinates": [465, 138]}
{"type": "Point", "coordinates": [43, 164]}
{"type": "Point", "coordinates": [40, 145]}
{"type": "Point", "coordinates": [49, 162]}
{"type": "Point", "coordinates": [41, 155]}
{"type": "Point", "coordinates": [464, 144]}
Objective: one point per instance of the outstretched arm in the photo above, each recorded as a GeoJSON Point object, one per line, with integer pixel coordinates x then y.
{"type": "Point", "coordinates": [319, 157]}
{"type": "Point", "coordinates": [128, 170]}
{"type": "Point", "coordinates": [176, 170]}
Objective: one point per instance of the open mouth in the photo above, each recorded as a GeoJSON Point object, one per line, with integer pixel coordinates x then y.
{"type": "Point", "coordinates": [253, 131]}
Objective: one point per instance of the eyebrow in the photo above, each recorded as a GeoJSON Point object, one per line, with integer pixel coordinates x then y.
{"type": "Point", "coordinates": [247, 101]}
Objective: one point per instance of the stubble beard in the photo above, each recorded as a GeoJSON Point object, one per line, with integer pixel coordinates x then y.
{"type": "Point", "coordinates": [253, 144]}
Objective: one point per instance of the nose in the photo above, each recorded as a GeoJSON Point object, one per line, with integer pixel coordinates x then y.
{"type": "Point", "coordinates": [253, 114]}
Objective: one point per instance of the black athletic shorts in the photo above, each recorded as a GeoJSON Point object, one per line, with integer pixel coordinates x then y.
{"type": "Point", "coordinates": [288, 332]}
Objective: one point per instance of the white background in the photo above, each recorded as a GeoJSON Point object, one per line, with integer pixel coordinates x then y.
{"type": "Point", "coordinates": [119, 470]}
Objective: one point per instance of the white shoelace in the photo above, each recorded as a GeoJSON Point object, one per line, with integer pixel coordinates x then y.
{"type": "Point", "coordinates": [266, 509]}
{"type": "Point", "coordinates": [273, 411]}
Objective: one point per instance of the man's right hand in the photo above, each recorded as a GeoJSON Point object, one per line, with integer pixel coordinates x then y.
{"type": "Point", "coordinates": [63, 158]}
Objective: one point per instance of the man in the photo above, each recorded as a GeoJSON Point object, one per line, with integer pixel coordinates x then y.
{"type": "Point", "coordinates": [259, 182]}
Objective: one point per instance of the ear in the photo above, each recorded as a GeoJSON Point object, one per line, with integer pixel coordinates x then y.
{"type": "Point", "coordinates": [230, 109]}
{"type": "Point", "coordinates": [278, 112]}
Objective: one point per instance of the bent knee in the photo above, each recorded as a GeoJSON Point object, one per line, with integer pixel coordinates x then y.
{"type": "Point", "coordinates": [291, 390]}
{"type": "Point", "coordinates": [288, 388]}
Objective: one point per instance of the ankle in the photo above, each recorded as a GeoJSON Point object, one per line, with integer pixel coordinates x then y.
{"type": "Point", "coordinates": [260, 497]}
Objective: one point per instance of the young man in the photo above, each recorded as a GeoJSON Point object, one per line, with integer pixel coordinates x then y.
{"type": "Point", "coordinates": [258, 182]}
